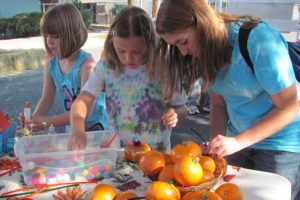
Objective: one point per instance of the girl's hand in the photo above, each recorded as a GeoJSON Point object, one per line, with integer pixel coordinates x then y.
{"type": "Point", "coordinates": [36, 124]}
{"type": "Point", "coordinates": [22, 118]}
{"type": "Point", "coordinates": [77, 141]}
{"type": "Point", "coordinates": [205, 148]}
{"type": "Point", "coordinates": [222, 146]}
{"type": "Point", "coordinates": [170, 118]}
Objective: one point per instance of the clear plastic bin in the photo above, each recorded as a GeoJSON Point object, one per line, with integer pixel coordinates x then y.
{"type": "Point", "coordinates": [45, 159]}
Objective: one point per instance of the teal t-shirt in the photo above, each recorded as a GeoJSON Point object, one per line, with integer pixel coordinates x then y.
{"type": "Point", "coordinates": [68, 88]}
{"type": "Point", "coordinates": [248, 94]}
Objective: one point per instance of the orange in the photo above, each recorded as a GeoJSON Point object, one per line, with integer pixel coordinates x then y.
{"type": "Point", "coordinates": [160, 190]}
{"type": "Point", "coordinates": [134, 153]}
{"type": "Point", "coordinates": [167, 173]}
{"type": "Point", "coordinates": [103, 192]}
{"type": "Point", "coordinates": [207, 163]}
{"type": "Point", "coordinates": [221, 167]}
{"type": "Point", "coordinates": [168, 158]}
{"type": "Point", "coordinates": [201, 195]}
{"type": "Point", "coordinates": [229, 191]}
{"type": "Point", "coordinates": [188, 171]}
{"type": "Point", "coordinates": [151, 163]}
{"type": "Point", "coordinates": [189, 148]}
{"type": "Point", "coordinates": [125, 195]}
{"type": "Point", "coordinates": [207, 176]}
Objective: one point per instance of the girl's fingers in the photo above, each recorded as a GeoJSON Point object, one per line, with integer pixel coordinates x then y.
{"type": "Point", "coordinates": [170, 123]}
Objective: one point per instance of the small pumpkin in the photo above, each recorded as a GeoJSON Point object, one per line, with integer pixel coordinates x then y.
{"type": "Point", "coordinates": [221, 167]}
{"type": "Point", "coordinates": [229, 191]}
{"type": "Point", "coordinates": [189, 148]}
{"type": "Point", "coordinates": [201, 195]}
{"type": "Point", "coordinates": [125, 195]}
{"type": "Point", "coordinates": [207, 176]}
{"type": "Point", "coordinates": [208, 163]}
{"type": "Point", "coordinates": [160, 190]}
{"type": "Point", "coordinates": [152, 163]}
{"type": "Point", "coordinates": [134, 152]}
{"type": "Point", "coordinates": [168, 158]}
{"type": "Point", "coordinates": [188, 171]}
{"type": "Point", "coordinates": [103, 192]}
{"type": "Point", "coordinates": [167, 173]}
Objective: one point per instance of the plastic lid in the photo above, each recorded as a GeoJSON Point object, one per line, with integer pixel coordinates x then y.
{"type": "Point", "coordinates": [27, 104]}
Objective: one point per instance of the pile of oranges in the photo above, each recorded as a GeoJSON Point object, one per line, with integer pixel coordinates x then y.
{"type": "Point", "coordinates": [185, 164]}
{"type": "Point", "coordinates": [184, 167]}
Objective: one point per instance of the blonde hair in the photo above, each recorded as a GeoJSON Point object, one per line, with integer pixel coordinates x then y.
{"type": "Point", "coordinates": [65, 21]}
{"type": "Point", "coordinates": [213, 52]}
{"type": "Point", "coordinates": [131, 21]}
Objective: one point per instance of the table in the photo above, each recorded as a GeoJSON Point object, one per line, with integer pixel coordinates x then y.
{"type": "Point", "coordinates": [255, 185]}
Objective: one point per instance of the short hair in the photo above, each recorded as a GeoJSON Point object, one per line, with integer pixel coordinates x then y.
{"type": "Point", "coordinates": [65, 21]}
{"type": "Point", "coordinates": [131, 21]}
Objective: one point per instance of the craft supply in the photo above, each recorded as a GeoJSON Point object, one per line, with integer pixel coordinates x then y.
{"type": "Point", "coordinates": [43, 188]}
{"type": "Point", "coordinates": [51, 130]}
{"type": "Point", "coordinates": [46, 159]}
{"type": "Point", "coordinates": [27, 111]}
{"type": "Point", "coordinates": [9, 166]}
{"type": "Point", "coordinates": [112, 139]}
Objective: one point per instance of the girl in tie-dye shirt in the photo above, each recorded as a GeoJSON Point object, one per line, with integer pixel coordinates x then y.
{"type": "Point", "coordinates": [134, 95]}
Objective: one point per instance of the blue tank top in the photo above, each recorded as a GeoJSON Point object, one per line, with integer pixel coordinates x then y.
{"type": "Point", "coordinates": [68, 88]}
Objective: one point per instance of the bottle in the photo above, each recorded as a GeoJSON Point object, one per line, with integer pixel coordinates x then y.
{"type": "Point", "coordinates": [51, 130]}
{"type": "Point", "coordinates": [27, 111]}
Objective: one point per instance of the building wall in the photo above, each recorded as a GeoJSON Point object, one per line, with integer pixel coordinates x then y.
{"type": "Point", "coordinates": [9, 8]}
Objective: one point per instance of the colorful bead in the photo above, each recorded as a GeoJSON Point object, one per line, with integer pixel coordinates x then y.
{"type": "Point", "coordinates": [85, 172]}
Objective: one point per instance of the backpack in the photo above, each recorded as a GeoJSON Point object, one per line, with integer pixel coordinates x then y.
{"type": "Point", "coordinates": [293, 48]}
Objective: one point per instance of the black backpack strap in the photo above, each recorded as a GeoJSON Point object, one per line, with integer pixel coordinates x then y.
{"type": "Point", "coordinates": [243, 39]}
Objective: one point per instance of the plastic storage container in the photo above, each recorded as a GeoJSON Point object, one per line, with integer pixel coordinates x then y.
{"type": "Point", "coordinates": [45, 159]}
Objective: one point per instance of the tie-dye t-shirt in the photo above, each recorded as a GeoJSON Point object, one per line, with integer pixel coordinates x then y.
{"type": "Point", "coordinates": [134, 104]}
{"type": "Point", "coordinates": [248, 94]}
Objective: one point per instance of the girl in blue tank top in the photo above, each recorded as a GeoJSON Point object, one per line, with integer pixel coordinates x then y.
{"type": "Point", "coordinates": [66, 70]}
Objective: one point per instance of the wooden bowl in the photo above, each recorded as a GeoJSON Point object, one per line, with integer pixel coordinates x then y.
{"type": "Point", "coordinates": [203, 186]}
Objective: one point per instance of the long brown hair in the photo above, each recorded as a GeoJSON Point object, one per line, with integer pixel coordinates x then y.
{"type": "Point", "coordinates": [213, 52]}
{"type": "Point", "coordinates": [131, 21]}
{"type": "Point", "coordinates": [65, 21]}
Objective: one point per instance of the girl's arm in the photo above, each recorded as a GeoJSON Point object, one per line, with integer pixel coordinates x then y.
{"type": "Point", "coordinates": [218, 115]}
{"type": "Point", "coordinates": [286, 108]}
{"type": "Point", "coordinates": [79, 113]}
{"type": "Point", "coordinates": [86, 70]}
{"type": "Point", "coordinates": [39, 119]}
{"type": "Point", "coordinates": [48, 94]}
